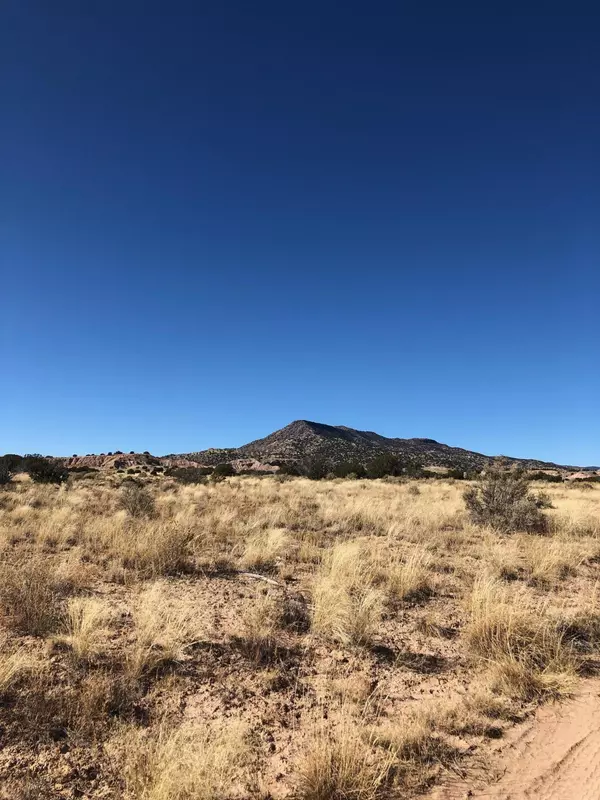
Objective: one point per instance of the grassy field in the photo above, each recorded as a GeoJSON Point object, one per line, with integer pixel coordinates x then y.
{"type": "Point", "coordinates": [261, 638]}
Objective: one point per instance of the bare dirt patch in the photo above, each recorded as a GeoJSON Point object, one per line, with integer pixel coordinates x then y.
{"type": "Point", "coordinates": [555, 755]}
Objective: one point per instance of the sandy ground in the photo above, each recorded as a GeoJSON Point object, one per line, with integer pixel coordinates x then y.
{"type": "Point", "coordinates": [554, 756]}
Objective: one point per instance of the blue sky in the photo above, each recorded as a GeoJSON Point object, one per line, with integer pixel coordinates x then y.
{"type": "Point", "coordinates": [216, 218]}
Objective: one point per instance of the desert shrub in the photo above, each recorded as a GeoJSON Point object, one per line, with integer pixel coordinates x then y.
{"type": "Point", "coordinates": [42, 470]}
{"type": "Point", "coordinates": [585, 485]}
{"type": "Point", "coordinates": [222, 471]}
{"type": "Point", "coordinates": [349, 469]}
{"type": "Point", "coordinates": [414, 469]}
{"type": "Point", "coordinates": [30, 595]}
{"type": "Point", "coordinates": [544, 476]}
{"type": "Point", "coordinates": [188, 474]}
{"type": "Point", "coordinates": [385, 464]}
{"type": "Point", "coordinates": [5, 474]}
{"type": "Point", "coordinates": [286, 468]}
{"type": "Point", "coordinates": [13, 462]}
{"type": "Point", "coordinates": [502, 500]}
{"type": "Point", "coordinates": [543, 500]}
{"type": "Point", "coordinates": [316, 470]}
{"type": "Point", "coordinates": [137, 500]}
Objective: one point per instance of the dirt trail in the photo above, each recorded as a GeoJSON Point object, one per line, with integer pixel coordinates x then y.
{"type": "Point", "coordinates": [555, 756]}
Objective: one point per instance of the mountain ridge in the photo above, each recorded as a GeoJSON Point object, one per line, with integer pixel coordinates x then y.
{"type": "Point", "coordinates": [303, 441]}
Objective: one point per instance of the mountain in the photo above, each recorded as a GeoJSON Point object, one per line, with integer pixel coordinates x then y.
{"type": "Point", "coordinates": [302, 442]}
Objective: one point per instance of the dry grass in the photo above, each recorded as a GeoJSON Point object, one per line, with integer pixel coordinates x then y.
{"type": "Point", "coordinates": [341, 762]}
{"type": "Point", "coordinates": [189, 762]}
{"type": "Point", "coordinates": [30, 595]}
{"type": "Point", "coordinates": [410, 578]}
{"type": "Point", "coordinates": [347, 604]}
{"type": "Point", "coordinates": [85, 625]}
{"type": "Point", "coordinates": [524, 645]}
{"type": "Point", "coordinates": [547, 561]}
{"type": "Point", "coordinates": [264, 549]}
{"type": "Point", "coordinates": [171, 652]}
{"type": "Point", "coordinates": [161, 631]}
{"type": "Point", "coordinates": [12, 667]}
{"type": "Point", "coordinates": [259, 633]}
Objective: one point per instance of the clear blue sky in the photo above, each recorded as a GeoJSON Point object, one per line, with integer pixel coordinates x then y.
{"type": "Point", "coordinates": [219, 217]}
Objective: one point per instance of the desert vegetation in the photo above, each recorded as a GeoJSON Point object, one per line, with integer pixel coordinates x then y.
{"type": "Point", "coordinates": [277, 636]}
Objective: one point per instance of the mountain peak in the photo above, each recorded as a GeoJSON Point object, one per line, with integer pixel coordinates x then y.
{"type": "Point", "coordinates": [304, 441]}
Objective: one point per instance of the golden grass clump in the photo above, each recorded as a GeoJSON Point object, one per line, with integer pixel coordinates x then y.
{"type": "Point", "coordinates": [409, 578]}
{"type": "Point", "coordinates": [340, 761]}
{"type": "Point", "coordinates": [524, 646]}
{"type": "Point", "coordinates": [259, 632]}
{"type": "Point", "coordinates": [161, 631]}
{"type": "Point", "coordinates": [347, 604]}
{"type": "Point", "coordinates": [156, 548]}
{"type": "Point", "coordinates": [196, 760]}
{"type": "Point", "coordinates": [548, 561]}
{"type": "Point", "coordinates": [264, 549]}
{"type": "Point", "coordinates": [85, 625]}
{"type": "Point", "coordinates": [12, 667]}
{"type": "Point", "coordinates": [30, 596]}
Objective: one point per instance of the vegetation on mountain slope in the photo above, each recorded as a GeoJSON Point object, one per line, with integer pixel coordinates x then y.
{"type": "Point", "coordinates": [304, 443]}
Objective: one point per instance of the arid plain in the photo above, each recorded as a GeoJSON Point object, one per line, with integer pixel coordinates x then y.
{"type": "Point", "coordinates": [280, 637]}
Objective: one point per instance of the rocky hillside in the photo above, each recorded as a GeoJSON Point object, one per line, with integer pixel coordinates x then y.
{"type": "Point", "coordinates": [123, 461]}
{"type": "Point", "coordinates": [302, 442]}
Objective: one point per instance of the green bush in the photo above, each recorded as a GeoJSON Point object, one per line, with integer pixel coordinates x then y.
{"type": "Point", "coordinates": [286, 468]}
{"type": "Point", "coordinates": [12, 462]}
{"type": "Point", "coordinates": [188, 474]}
{"type": "Point", "coordinates": [5, 474]}
{"type": "Point", "coordinates": [543, 476]}
{"type": "Point", "coordinates": [457, 474]}
{"type": "Point", "coordinates": [543, 500]}
{"type": "Point", "coordinates": [501, 499]}
{"type": "Point", "coordinates": [223, 471]}
{"type": "Point", "coordinates": [42, 470]}
{"type": "Point", "coordinates": [384, 465]}
{"type": "Point", "coordinates": [316, 470]}
{"type": "Point", "coordinates": [347, 469]}
{"type": "Point", "coordinates": [414, 469]}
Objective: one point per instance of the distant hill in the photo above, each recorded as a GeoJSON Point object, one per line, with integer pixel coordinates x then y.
{"type": "Point", "coordinates": [302, 442]}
